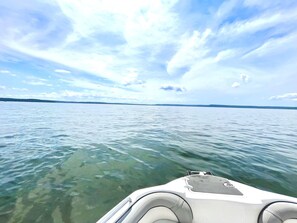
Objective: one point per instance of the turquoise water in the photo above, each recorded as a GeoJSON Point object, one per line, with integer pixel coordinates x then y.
{"type": "Point", "coordinates": [73, 162]}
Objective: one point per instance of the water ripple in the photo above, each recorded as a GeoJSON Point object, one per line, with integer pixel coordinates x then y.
{"type": "Point", "coordinates": [62, 162]}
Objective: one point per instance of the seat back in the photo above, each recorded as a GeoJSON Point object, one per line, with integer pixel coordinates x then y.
{"type": "Point", "coordinates": [148, 207]}
{"type": "Point", "coordinates": [279, 212]}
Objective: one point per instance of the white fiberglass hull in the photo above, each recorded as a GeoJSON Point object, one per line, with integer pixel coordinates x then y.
{"type": "Point", "coordinates": [204, 199]}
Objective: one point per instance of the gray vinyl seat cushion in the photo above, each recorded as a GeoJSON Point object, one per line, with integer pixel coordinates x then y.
{"type": "Point", "coordinates": [175, 204]}
{"type": "Point", "coordinates": [279, 212]}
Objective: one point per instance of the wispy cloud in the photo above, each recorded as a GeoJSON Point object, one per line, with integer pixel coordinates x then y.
{"type": "Point", "coordinates": [191, 50]}
{"type": "Point", "coordinates": [287, 96]}
{"type": "Point", "coordinates": [4, 71]}
{"type": "Point", "coordinates": [7, 72]}
{"type": "Point", "coordinates": [37, 81]}
{"type": "Point", "coordinates": [132, 78]}
{"type": "Point", "coordinates": [261, 22]}
{"type": "Point", "coordinates": [62, 71]}
{"type": "Point", "coordinates": [19, 89]}
{"type": "Point", "coordinates": [13, 88]}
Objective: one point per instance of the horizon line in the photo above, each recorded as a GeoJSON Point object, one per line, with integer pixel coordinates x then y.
{"type": "Point", "coordinates": [145, 104]}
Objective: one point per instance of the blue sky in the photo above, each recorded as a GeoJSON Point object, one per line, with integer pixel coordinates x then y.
{"type": "Point", "coordinates": [190, 52]}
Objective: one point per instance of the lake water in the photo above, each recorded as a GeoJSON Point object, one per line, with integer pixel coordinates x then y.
{"type": "Point", "coordinates": [73, 162]}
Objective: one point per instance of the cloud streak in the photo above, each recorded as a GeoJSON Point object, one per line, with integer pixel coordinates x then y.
{"type": "Point", "coordinates": [7, 72]}
{"type": "Point", "coordinates": [62, 71]}
{"type": "Point", "coordinates": [35, 81]}
{"type": "Point", "coordinates": [287, 96]}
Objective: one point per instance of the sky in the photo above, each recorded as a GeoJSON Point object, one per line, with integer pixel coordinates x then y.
{"type": "Point", "coordinates": [241, 52]}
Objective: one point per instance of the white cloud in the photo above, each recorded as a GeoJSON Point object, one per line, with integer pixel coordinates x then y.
{"type": "Point", "coordinates": [131, 78]}
{"type": "Point", "coordinates": [264, 3]}
{"type": "Point", "coordinates": [62, 71]}
{"type": "Point", "coordinates": [7, 72]}
{"type": "Point", "coordinates": [83, 83]}
{"type": "Point", "coordinates": [275, 46]}
{"type": "Point", "coordinates": [4, 71]}
{"type": "Point", "coordinates": [13, 88]}
{"type": "Point", "coordinates": [226, 54]}
{"type": "Point", "coordinates": [19, 89]}
{"type": "Point", "coordinates": [131, 21]}
{"type": "Point", "coordinates": [226, 8]}
{"type": "Point", "coordinates": [154, 18]}
{"type": "Point", "coordinates": [89, 61]}
{"type": "Point", "coordinates": [95, 89]}
{"type": "Point", "coordinates": [89, 16]}
{"type": "Point", "coordinates": [35, 81]}
{"type": "Point", "coordinates": [235, 85]}
{"type": "Point", "coordinates": [192, 49]}
{"type": "Point", "coordinates": [287, 96]}
{"type": "Point", "coordinates": [259, 23]}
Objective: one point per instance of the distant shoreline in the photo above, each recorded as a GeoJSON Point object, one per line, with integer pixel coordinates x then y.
{"type": "Point", "coordinates": [173, 105]}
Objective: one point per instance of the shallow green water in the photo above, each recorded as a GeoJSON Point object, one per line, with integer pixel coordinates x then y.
{"type": "Point", "coordinates": [73, 162]}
